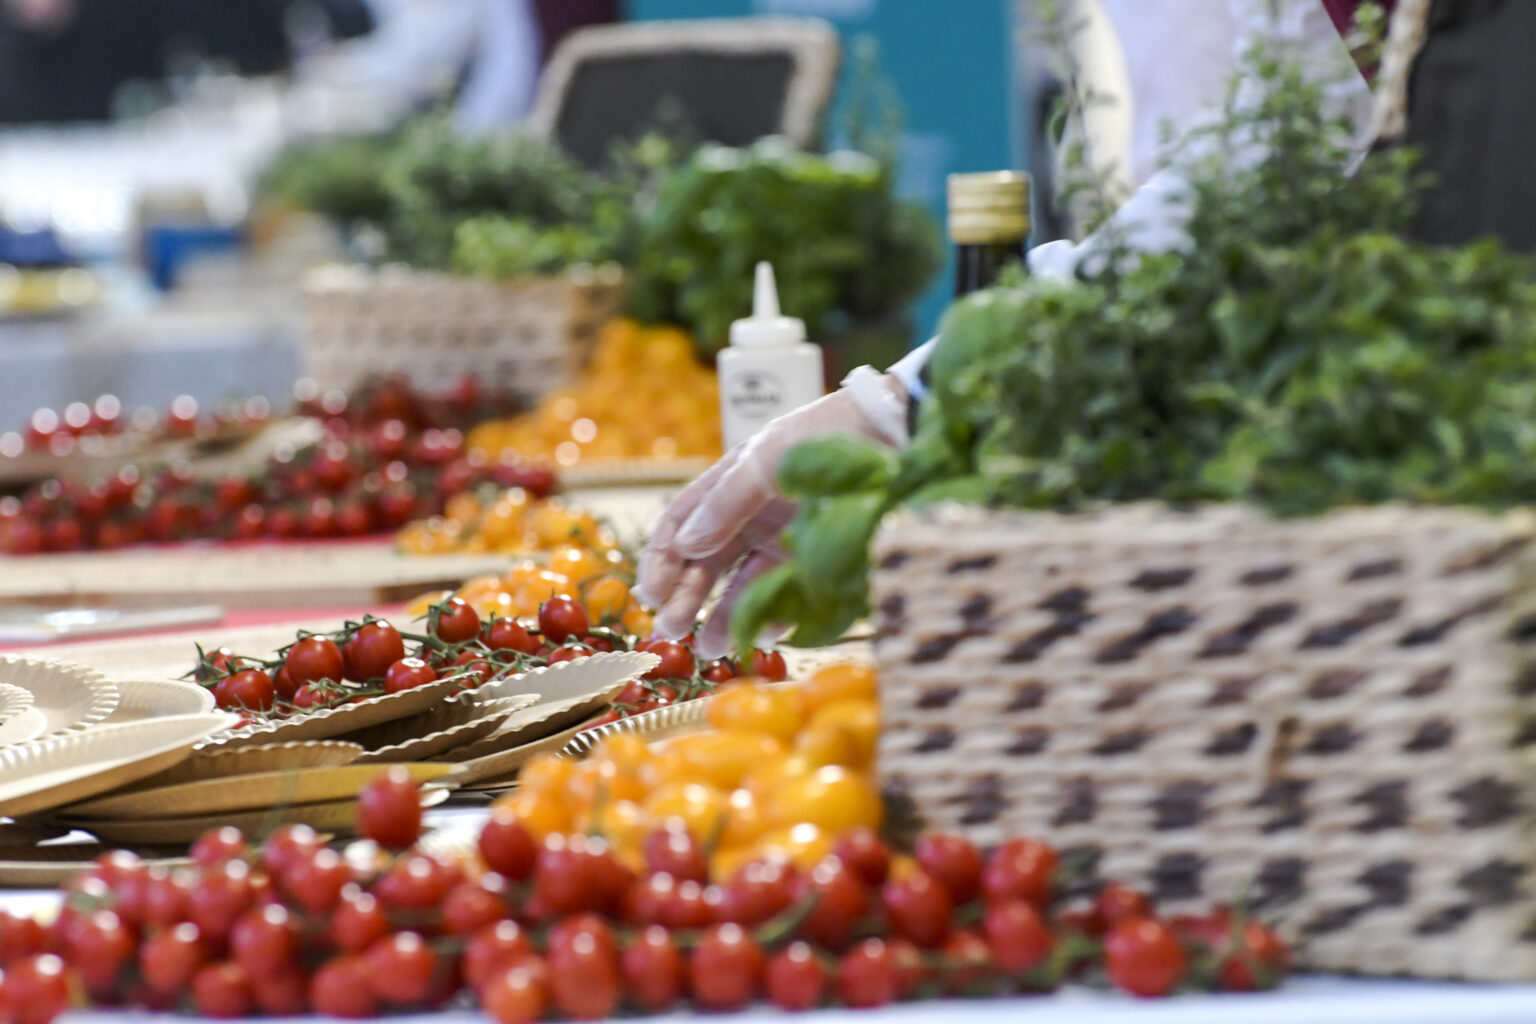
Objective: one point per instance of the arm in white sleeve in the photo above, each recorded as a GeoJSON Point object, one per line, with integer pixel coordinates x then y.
{"type": "Point", "coordinates": [1153, 219]}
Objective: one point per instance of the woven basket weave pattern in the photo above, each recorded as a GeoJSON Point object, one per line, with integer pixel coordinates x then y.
{"type": "Point", "coordinates": [529, 336]}
{"type": "Point", "coordinates": [1330, 717]}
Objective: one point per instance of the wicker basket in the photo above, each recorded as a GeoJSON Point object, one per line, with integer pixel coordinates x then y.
{"type": "Point", "coordinates": [1332, 718]}
{"type": "Point", "coordinates": [528, 336]}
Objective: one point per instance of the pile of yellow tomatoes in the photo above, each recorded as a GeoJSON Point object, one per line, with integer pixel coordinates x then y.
{"type": "Point", "coordinates": [781, 772]}
{"type": "Point", "coordinates": [644, 395]}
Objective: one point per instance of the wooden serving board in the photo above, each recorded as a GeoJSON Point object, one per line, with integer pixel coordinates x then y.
{"type": "Point", "coordinates": [262, 575]}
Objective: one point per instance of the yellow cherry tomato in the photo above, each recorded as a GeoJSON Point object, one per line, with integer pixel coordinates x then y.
{"type": "Point", "coordinates": [698, 808]}
{"type": "Point", "coordinates": [723, 757]}
{"type": "Point", "coordinates": [756, 708]}
{"type": "Point", "coordinates": [623, 824]}
{"type": "Point", "coordinates": [771, 776]}
{"type": "Point", "coordinates": [606, 599]}
{"type": "Point", "coordinates": [744, 819]}
{"type": "Point", "coordinates": [626, 750]}
{"type": "Point", "coordinates": [804, 845]}
{"type": "Point", "coordinates": [540, 813]}
{"type": "Point", "coordinates": [547, 773]}
{"type": "Point", "coordinates": [576, 564]}
{"type": "Point", "coordinates": [831, 798]}
{"type": "Point", "coordinates": [419, 607]}
{"type": "Point", "coordinates": [638, 622]}
{"type": "Point", "coordinates": [832, 742]}
{"type": "Point", "coordinates": [843, 681]}
{"type": "Point", "coordinates": [861, 718]}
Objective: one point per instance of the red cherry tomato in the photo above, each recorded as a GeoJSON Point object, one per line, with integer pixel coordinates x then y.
{"type": "Point", "coordinates": [340, 989]}
{"type": "Point", "coordinates": [1023, 869]}
{"type": "Point", "coordinates": [862, 849]}
{"type": "Point", "coordinates": [583, 974]}
{"type": "Point", "coordinates": [795, 979]}
{"type": "Point", "coordinates": [725, 968]}
{"type": "Point", "coordinates": [400, 968]}
{"type": "Point", "coordinates": [417, 882]}
{"type": "Point", "coordinates": [454, 621]}
{"type": "Point", "coordinates": [100, 946]}
{"type": "Point", "coordinates": [561, 618]}
{"type": "Point", "coordinates": [717, 672]}
{"type": "Point", "coordinates": [264, 940]}
{"type": "Point", "coordinates": [218, 845]}
{"type": "Point", "coordinates": [169, 958]}
{"type": "Point", "coordinates": [285, 846]}
{"type": "Point", "coordinates": [218, 896]}
{"type": "Point", "coordinates": [494, 948]}
{"type": "Point", "coordinates": [652, 968]}
{"type": "Point", "coordinates": [222, 990]}
{"type": "Point", "coordinates": [471, 905]}
{"type": "Point", "coordinates": [389, 809]}
{"type": "Point", "coordinates": [506, 847]}
{"type": "Point", "coordinates": [1259, 960]}
{"type": "Point", "coordinates": [676, 852]}
{"type": "Point", "coordinates": [372, 650]}
{"type": "Point", "coordinates": [250, 689]}
{"type": "Point", "coordinates": [509, 635]}
{"type": "Point", "coordinates": [676, 660]}
{"type": "Point", "coordinates": [1018, 936]}
{"type": "Point", "coordinates": [758, 891]}
{"type": "Point", "coordinates": [314, 658]}
{"type": "Point", "coordinates": [1143, 957]}
{"type": "Point", "coordinates": [842, 899]}
{"type": "Point", "coordinates": [316, 879]}
{"type": "Point", "coordinates": [954, 863]}
{"type": "Point", "coordinates": [568, 654]}
{"type": "Point", "coordinates": [518, 994]}
{"type": "Point", "coordinates": [867, 976]}
{"type": "Point", "coordinates": [769, 665]}
{"type": "Point", "coordinates": [1114, 903]}
{"type": "Point", "coordinates": [408, 673]}
{"type": "Point", "coordinates": [918, 908]}
{"type": "Point", "coordinates": [358, 921]}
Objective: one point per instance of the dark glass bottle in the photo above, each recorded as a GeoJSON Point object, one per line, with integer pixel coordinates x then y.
{"type": "Point", "coordinates": [989, 226]}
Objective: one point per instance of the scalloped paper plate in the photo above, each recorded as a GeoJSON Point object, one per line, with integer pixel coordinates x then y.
{"type": "Point", "coordinates": [222, 762]}
{"type": "Point", "coordinates": [152, 698]}
{"type": "Point", "coordinates": [491, 771]}
{"type": "Point", "coordinates": [451, 724]}
{"type": "Point", "coordinates": [246, 792]}
{"type": "Point", "coordinates": [68, 696]}
{"type": "Point", "coordinates": [58, 770]}
{"type": "Point", "coordinates": [569, 678]}
{"type": "Point", "coordinates": [329, 723]}
{"type": "Point", "coordinates": [13, 701]}
{"type": "Point", "coordinates": [335, 816]}
{"type": "Point", "coordinates": [28, 725]}
{"type": "Point", "coordinates": [651, 725]}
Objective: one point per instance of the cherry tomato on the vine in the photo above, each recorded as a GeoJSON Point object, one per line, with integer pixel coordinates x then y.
{"type": "Point", "coordinates": [455, 621]}
{"type": "Point", "coordinates": [372, 650]}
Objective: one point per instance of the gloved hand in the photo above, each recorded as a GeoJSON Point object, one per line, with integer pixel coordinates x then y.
{"type": "Point", "coordinates": [731, 517]}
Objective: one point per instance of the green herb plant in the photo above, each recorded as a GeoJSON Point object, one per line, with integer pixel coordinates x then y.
{"type": "Point", "coordinates": [1300, 354]}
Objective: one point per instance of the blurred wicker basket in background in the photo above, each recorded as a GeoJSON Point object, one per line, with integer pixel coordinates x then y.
{"type": "Point", "coordinates": [1330, 718]}
{"type": "Point", "coordinates": [528, 336]}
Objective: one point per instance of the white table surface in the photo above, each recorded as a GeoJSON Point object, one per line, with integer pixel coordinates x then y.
{"type": "Point", "coordinates": [1304, 1000]}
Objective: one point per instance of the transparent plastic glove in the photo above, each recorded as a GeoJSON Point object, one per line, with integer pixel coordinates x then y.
{"type": "Point", "coordinates": [729, 520]}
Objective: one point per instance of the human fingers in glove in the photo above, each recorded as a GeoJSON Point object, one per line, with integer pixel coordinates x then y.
{"type": "Point", "coordinates": [727, 523]}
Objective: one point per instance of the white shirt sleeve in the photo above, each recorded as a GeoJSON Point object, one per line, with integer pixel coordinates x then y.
{"type": "Point", "coordinates": [1153, 218]}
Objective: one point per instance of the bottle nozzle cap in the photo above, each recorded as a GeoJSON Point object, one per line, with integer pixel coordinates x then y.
{"type": "Point", "coordinates": [766, 326]}
{"type": "Point", "coordinates": [765, 293]}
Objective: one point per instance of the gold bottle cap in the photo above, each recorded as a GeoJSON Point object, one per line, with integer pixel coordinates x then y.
{"type": "Point", "coordinates": [988, 208]}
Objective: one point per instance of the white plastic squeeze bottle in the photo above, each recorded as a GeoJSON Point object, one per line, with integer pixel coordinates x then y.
{"type": "Point", "coordinates": [769, 368]}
